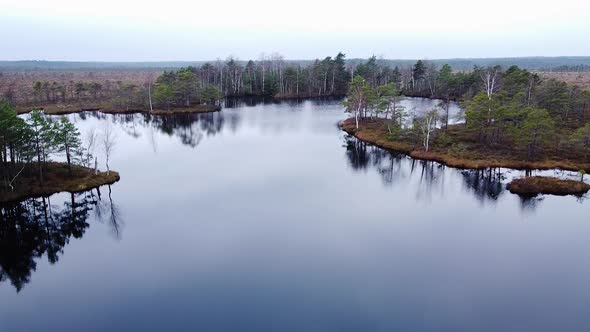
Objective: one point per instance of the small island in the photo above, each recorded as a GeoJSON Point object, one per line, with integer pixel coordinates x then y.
{"type": "Point", "coordinates": [534, 185]}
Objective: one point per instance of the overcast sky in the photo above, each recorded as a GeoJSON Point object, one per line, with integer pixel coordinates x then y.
{"type": "Point", "coordinates": [144, 30]}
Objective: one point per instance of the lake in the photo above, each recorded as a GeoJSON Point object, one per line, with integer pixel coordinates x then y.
{"type": "Point", "coordinates": [267, 217]}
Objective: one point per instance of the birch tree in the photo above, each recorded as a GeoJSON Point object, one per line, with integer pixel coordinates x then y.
{"type": "Point", "coordinates": [431, 76]}
{"type": "Point", "coordinates": [89, 145]}
{"type": "Point", "coordinates": [108, 141]}
{"type": "Point", "coordinates": [360, 96]}
{"type": "Point", "coordinates": [149, 83]}
{"type": "Point", "coordinates": [428, 126]}
{"type": "Point", "coordinates": [490, 78]}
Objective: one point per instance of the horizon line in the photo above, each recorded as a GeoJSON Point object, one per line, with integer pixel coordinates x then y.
{"type": "Point", "coordinates": [287, 59]}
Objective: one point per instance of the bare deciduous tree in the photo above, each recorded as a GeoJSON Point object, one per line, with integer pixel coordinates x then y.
{"type": "Point", "coordinates": [149, 83]}
{"type": "Point", "coordinates": [431, 77]}
{"type": "Point", "coordinates": [108, 143]}
{"type": "Point", "coordinates": [90, 142]}
{"type": "Point", "coordinates": [17, 174]}
{"type": "Point", "coordinates": [489, 77]}
{"type": "Point", "coordinates": [428, 125]}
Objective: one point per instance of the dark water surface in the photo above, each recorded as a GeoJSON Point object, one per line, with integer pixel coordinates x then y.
{"type": "Point", "coordinates": [268, 218]}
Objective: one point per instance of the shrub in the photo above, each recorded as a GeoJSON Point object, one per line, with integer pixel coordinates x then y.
{"type": "Point", "coordinates": [443, 140]}
{"type": "Point", "coordinates": [459, 149]}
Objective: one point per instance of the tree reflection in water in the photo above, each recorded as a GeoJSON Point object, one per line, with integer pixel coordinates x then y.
{"type": "Point", "coordinates": [251, 101]}
{"type": "Point", "coordinates": [529, 204]}
{"type": "Point", "coordinates": [431, 176]}
{"type": "Point", "coordinates": [394, 167]}
{"type": "Point", "coordinates": [35, 227]}
{"type": "Point", "coordinates": [190, 128]}
{"type": "Point", "coordinates": [237, 102]}
{"type": "Point", "coordinates": [486, 185]}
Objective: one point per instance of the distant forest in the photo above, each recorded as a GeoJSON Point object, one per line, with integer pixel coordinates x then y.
{"type": "Point", "coordinates": [131, 87]}
{"type": "Point", "coordinates": [564, 63]}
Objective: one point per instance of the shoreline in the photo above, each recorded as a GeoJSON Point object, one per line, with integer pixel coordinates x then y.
{"type": "Point", "coordinates": [58, 180]}
{"type": "Point", "coordinates": [376, 135]}
{"type": "Point", "coordinates": [64, 109]}
{"type": "Point", "coordinates": [61, 109]}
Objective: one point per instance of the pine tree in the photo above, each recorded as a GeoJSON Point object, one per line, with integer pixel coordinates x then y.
{"type": "Point", "coordinates": [68, 140]}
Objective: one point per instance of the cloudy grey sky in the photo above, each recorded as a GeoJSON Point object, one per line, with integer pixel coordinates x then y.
{"type": "Point", "coordinates": [145, 30]}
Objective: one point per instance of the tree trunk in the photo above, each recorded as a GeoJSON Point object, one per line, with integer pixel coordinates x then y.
{"type": "Point", "coordinates": [39, 161]}
{"type": "Point", "coordinates": [150, 96]}
{"type": "Point", "coordinates": [69, 160]}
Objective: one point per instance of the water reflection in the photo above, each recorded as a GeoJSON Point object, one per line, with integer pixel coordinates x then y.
{"type": "Point", "coordinates": [396, 167]}
{"type": "Point", "coordinates": [190, 128]}
{"type": "Point", "coordinates": [359, 153]}
{"type": "Point", "coordinates": [36, 227]}
{"type": "Point", "coordinates": [431, 179]}
{"type": "Point", "coordinates": [251, 101]}
{"type": "Point", "coordinates": [486, 184]}
{"type": "Point", "coordinates": [427, 178]}
{"type": "Point", "coordinates": [529, 204]}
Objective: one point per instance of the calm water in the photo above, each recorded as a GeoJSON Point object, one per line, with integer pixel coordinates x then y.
{"type": "Point", "coordinates": [267, 217]}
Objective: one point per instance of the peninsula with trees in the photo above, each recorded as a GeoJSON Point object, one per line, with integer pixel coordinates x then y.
{"type": "Point", "coordinates": [511, 118]}
{"type": "Point", "coordinates": [27, 146]}
{"type": "Point", "coordinates": [172, 92]}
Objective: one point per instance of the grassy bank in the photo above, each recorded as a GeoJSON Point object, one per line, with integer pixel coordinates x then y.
{"type": "Point", "coordinates": [460, 150]}
{"type": "Point", "coordinates": [57, 179]}
{"type": "Point", "coordinates": [533, 185]}
{"type": "Point", "coordinates": [62, 109]}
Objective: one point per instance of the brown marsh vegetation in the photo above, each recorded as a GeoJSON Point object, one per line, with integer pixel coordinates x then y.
{"type": "Point", "coordinates": [533, 185]}
{"type": "Point", "coordinates": [464, 152]}
{"type": "Point", "coordinates": [579, 79]}
{"type": "Point", "coordinates": [57, 179]}
{"type": "Point", "coordinates": [62, 109]}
